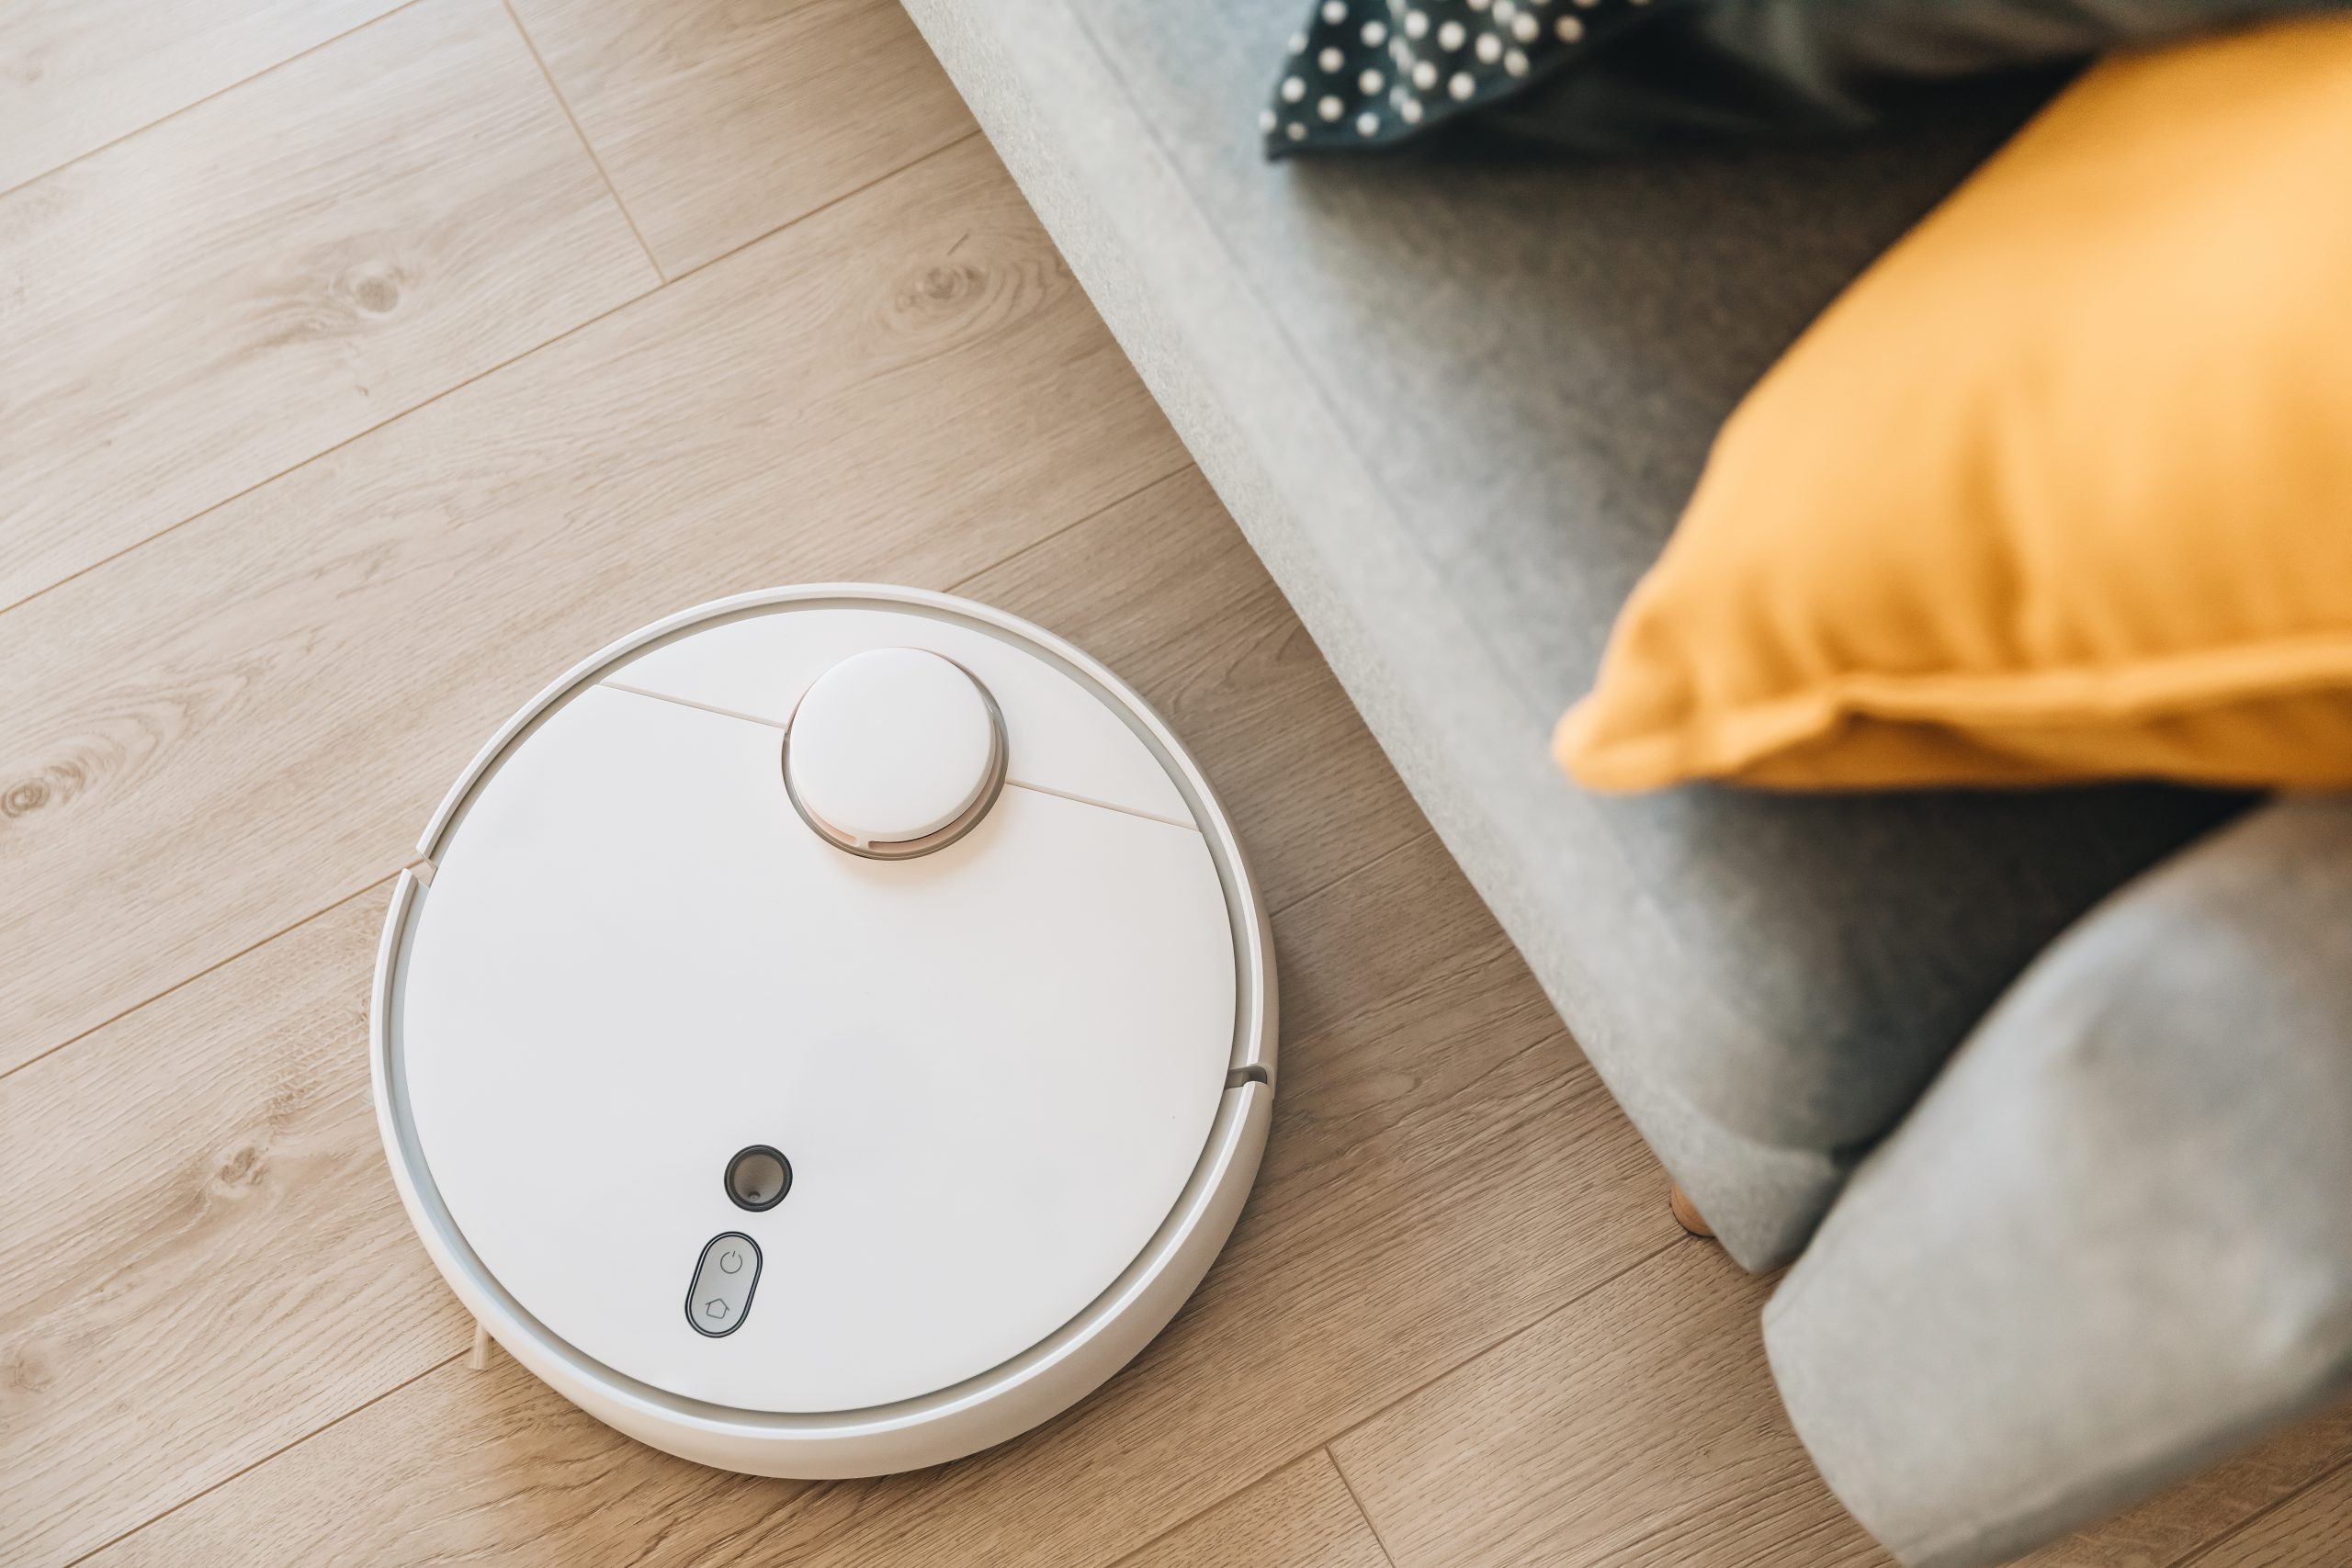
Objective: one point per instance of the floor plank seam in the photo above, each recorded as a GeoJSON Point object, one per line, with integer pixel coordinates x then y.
{"type": "Point", "coordinates": [1296, 899]}
{"type": "Point", "coordinates": [1486, 1351]}
{"type": "Point", "coordinates": [2205, 1549]}
{"type": "Point", "coordinates": [189, 980]}
{"type": "Point", "coordinates": [660, 273]}
{"type": "Point", "coordinates": [1292, 1193]}
{"type": "Point", "coordinates": [198, 103]}
{"type": "Point", "coordinates": [830, 203]}
{"type": "Point", "coordinates": [387, 421]}
{"type": "Point", "coordinates": [1179, 471]}
{"type": "Point", "coordinates": [480, 375]}
{"type": "Point", "coordinates": [1357, 1498]}
{"type": "Point", "coordinates": [1204, 1511]}
{"type": "Point", "coordinates": [243, 1471]}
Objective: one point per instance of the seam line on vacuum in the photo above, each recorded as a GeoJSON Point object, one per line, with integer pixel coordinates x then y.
{"type": "Point", "coordinates": [1105, 805]}
{"type": "Point", "coordinates": [690, 703]}
{"type": "Point", "coordinates": [1008, 783]}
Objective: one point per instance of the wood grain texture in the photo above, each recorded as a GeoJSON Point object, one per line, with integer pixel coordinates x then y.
{"type": "Point", "coordinates": [1300, 1517]}
{"type": "Point", "coordinates": [2311, 1529]}
{"type": "Point", "coordinates": [223, 295]}
{"type": "Point", "coordinates": [2170, 1527]}
{"type": "Point", "coordinates": [720, 120]}
{"type": "Point", "coordinates": [76, 74]}
{"type": "Point", "coordinates": [204, 1259]}
{"type": "Point", "coordinates": [1637, 1427]}
{"type": "Point", "coordinates": [253, 715]}
{"type": "Point", "coordinates": [464, 1467]}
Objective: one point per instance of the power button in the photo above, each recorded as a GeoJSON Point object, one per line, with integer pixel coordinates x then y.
{"type": "Point", "coordinates": [720, 1297]}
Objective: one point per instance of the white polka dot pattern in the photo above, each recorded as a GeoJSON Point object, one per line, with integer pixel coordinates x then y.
{"type": "Point", "coordinates": [1373, 73]}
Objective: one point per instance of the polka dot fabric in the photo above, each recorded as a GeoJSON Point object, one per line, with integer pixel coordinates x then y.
{"type": "Point", "coordinates": [1611, 76]}
{"type": "Point", "coordinates": [1374, 73]}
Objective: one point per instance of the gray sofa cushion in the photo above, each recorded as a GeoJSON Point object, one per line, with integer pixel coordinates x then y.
{"type": "Point", "coordinates": [1457, 408]}
{"type": "Point", "coordinates": [2115, 1240]}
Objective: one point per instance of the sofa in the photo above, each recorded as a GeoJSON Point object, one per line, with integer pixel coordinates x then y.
{"type": "Point", "coordinates": [2049, 1252]}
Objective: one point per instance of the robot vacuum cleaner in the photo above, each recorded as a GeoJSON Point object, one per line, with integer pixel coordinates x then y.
{"type": "Point", "coordinates": [827, 1032]}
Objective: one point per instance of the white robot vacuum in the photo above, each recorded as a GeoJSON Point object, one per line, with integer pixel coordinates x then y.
{"type": "Point", "coordinates": [827, 1032]}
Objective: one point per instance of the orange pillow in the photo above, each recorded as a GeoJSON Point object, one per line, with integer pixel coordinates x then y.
{"type": "Point", "coordinates": [2060, 489]}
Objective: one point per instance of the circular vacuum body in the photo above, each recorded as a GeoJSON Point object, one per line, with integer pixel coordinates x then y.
{"type": "Point", "coordinates": [827, 1032]}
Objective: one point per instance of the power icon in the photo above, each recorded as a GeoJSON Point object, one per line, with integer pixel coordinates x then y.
{"type": "Point", "coordinates": [731, 1262]}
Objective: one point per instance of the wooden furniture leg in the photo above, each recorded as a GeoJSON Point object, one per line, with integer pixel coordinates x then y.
{"type": "Point", "coordinates": [1686, 1212]}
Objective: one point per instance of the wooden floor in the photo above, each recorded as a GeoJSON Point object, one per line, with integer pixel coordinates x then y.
{"type": "Point", "coordinates": [365, 363]}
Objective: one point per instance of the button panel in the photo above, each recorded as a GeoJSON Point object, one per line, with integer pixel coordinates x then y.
{"type": "Point", "coordinates": [720, 1298]}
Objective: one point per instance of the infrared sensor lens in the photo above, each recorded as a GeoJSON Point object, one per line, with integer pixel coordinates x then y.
{"type": "Point", "coordinates": [758, 1177]}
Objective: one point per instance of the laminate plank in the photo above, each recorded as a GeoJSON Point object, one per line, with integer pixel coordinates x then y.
{"type": "Point", "coordinates": [76, 74]}
{"type": "Point", "coordinates": [1300, 1517]}
{"type": "Point", "coordinates": [1495, 1464]}
{"type": "Point", "coordinates": [2311, 1529]}
{"type": "Point", "coordinates": [1168, 594]}
{"type": "Point", "coordinates": [1637, 1427]}
{"type": "Point", "coordinates": [720, 120]}
{"type": "Point", "coordinates": [1475, 1208]}
{"type": "Point", "coordinates": [205, 1258]}
{"type": "Point", "coordinates": [478, 1467]}
{"type": "Point", "coordinates": [223, 295]}
{"type": "Point", "coordinates": [242, 722]}
{"type": "Point", "coordinates": [2169, 1528]}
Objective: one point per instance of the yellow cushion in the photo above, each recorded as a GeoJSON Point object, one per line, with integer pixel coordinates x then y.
{"type": "Point", "coordinates": [2061, 488]}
